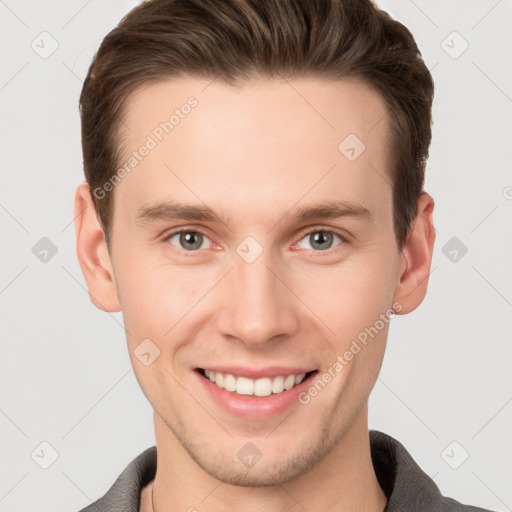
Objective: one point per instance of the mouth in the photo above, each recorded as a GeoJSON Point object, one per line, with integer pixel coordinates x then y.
{"type": "Point", "coordinates": [261, 387]}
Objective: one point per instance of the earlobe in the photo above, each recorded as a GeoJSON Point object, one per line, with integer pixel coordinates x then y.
{"type": "Point", "coordinates": [92, 252]}
{"type": "Point", "coordinates": [416, 258]}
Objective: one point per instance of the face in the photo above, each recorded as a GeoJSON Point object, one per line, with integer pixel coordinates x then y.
{"type": "Point", "coordinates": [226, 255]}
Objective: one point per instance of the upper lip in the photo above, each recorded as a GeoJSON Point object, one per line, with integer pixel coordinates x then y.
{"type": "Point", "coordinates": [251, 373]}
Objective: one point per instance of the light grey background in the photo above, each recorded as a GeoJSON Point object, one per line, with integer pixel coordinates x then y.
{"type": "Point", "coordinates": [66, 375]}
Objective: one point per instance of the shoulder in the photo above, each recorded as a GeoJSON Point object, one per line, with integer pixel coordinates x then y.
{"type": "Point", "coordinates": [451, 505]}
{"type": "Point", "coordinates": [125, 493]}
{"type": "Point", "coordinates": [407, 486]}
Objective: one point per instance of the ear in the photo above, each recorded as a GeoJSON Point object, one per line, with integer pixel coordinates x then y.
{"type": "Point", "coordinates": [92, 251]}
{"type": "Point", "coordinates": [416, 258]}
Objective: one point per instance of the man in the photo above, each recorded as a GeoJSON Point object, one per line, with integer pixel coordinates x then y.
{"type": "Point", "coordinates": [254, 206]}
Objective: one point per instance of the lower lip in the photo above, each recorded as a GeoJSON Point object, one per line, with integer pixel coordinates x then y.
{"type": "Point", "coordinates": [255, 407]}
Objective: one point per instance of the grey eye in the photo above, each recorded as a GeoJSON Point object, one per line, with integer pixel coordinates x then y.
{"type": "Point", "coordinates": [189, 240]}
{"type": "Point", "coordinates": [320, 240]}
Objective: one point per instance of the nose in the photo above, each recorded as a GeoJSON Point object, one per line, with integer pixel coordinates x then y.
{"type": "Point", "coordinates": [257, 306]}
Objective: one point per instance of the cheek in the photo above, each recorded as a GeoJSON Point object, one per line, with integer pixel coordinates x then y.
{"type": "Point", "coordinates": [153, 293]}
{"type": "Point", "coordinates": [164, 304]}
{"type": "Point", "coordinates": [157, 308]}
{"type": "Point", "coordinates": [347, 298]}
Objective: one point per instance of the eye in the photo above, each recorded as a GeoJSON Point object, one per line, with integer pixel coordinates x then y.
{"type": "Point", "coordinates": [320, 240]}
{"type": "Point", "coordinates": [188, 240]}
{"type": "Point", "coordinates": [192, 241]}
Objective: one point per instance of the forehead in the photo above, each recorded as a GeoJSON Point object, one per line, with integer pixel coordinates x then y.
{"type": "Point", "coordinates": [254, 145]}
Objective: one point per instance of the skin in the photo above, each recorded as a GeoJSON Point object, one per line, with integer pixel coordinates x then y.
{"type": "Point", "coordinates": [254, 155]}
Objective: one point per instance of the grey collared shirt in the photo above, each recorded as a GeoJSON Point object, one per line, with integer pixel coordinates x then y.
{"type": "Point", "coordinates": [407, 487]}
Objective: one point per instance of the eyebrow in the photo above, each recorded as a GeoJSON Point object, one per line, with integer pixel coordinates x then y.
{"type": "Point", "coordinates": [169, 211]}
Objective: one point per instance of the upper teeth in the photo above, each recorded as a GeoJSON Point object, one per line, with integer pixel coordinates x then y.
{"type": "Point", "coordinates": [260, 387]}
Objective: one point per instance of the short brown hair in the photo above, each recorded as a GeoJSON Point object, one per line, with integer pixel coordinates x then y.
{"type": "Point", "coordinates": [237, 40]}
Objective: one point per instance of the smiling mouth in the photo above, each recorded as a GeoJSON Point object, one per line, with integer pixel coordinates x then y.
{"type": "Point", "coordinates": [261, 387]}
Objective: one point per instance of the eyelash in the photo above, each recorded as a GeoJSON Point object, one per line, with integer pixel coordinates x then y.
{"type": "Point", "coordinates": [344, 239]}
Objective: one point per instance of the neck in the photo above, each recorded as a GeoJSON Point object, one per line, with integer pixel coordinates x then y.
{"type": "Point", "coordinates": [343, 480]}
